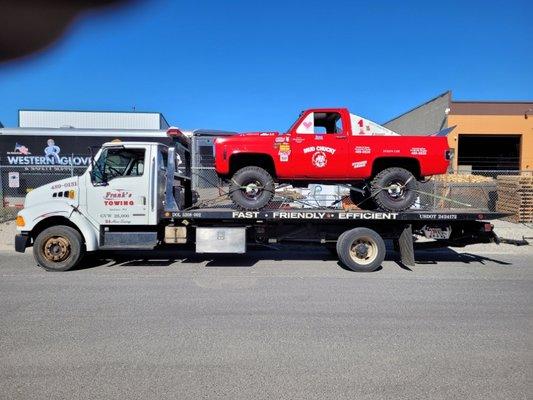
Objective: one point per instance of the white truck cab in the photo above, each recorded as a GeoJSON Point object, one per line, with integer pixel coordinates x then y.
{"type": "Point", "coordinates": [116, 203]}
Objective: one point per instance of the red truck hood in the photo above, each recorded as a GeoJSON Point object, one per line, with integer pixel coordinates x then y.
{"type": "Point", "coordinates": [246, 137]}
{"type": "Point", "coordinates": [258, 134]}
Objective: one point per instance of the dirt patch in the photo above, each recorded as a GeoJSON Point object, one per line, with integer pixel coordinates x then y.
{"type": "Point", "coordinates": [7, 235]}
{"type": "Point", "coordinates": [7, 214]}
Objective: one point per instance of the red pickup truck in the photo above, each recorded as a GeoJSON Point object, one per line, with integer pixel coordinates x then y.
{"type": "Point", "coordinates": [331, 145]}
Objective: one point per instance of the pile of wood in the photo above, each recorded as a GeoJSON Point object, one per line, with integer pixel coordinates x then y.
{"type": "Point", "coordinates": [515, 195]}
{"type": "Point", "coordinates": [463, 178]}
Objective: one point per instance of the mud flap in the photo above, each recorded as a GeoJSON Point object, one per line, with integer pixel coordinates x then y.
{"type": "Point", "coordinates": [406, 246]}
{"type": "Point", "coordinates": [21, 242]}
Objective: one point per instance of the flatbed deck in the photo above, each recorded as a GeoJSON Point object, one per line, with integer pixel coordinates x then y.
{"type": "Point", "coordinates": [331, 215]}
{"type": "Point", "coordinates": [327, 226]}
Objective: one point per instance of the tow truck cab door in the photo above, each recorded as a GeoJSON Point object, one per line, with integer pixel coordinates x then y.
{"type": "Point", "coordinates": [319, 145]}
{"type": "Point", "coordinates": [119, 186]}
{"type": "Point", "coordinates": [158, 182]}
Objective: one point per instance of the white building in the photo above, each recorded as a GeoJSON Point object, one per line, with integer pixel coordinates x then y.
{"type": "Point", "coordinates": [92, 120]}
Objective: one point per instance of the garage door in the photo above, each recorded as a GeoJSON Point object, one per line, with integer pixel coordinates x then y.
{"type": "Point", "coordinates": [489, 152]}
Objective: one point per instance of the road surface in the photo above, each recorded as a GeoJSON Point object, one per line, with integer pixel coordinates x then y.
{"type": "Point", "coordinates": [282, 325]}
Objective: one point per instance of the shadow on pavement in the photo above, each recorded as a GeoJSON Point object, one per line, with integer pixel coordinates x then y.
{"type": "Point", "coordinates": [165, 258]}
{"type": "Point", "coordinates": [449, 255]}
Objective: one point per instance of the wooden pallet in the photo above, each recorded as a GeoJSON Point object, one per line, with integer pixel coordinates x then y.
{"type": "Point", "coordinates": [515, 195]}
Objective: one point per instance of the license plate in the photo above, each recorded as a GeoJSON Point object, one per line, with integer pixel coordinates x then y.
{"type": "Point", "coordinates": [432, 232]}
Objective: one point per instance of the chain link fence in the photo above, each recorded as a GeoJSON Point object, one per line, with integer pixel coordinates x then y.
{"type": "Point", "coordinates": [489, 190]}
{"type": "Point", "coordinates": [17, 180]}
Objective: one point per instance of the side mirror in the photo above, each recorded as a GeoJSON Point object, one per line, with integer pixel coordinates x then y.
{"type": "Point", "coordinates": [97, 175]}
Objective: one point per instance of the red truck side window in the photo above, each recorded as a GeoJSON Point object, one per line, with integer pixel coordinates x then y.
{"type": "Point", "coordinates": [317, 123]}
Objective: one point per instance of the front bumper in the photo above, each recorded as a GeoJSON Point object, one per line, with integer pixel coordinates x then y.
{"type": "Point", "coordinates": [21, 242]}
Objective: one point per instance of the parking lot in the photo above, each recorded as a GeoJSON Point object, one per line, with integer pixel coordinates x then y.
{"type": "Point", "coordinates": [272, 324]}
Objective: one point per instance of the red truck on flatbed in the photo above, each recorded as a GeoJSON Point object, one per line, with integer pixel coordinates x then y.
{"type": "Point", "coordinates": [331, 145]}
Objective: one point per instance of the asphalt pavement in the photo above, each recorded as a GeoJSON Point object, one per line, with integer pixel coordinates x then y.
{"type": "Point", "coordinates": [284, 325]}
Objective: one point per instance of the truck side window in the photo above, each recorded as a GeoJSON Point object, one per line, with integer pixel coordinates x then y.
{"type": "Point", "coordinates": [118, 162]}
{"type": "Point", "coordinates": [320, 123]}
{"type": "Point", "coordinates": [307, 126]}
{"type": "Point", "coordinates": [328, 122]}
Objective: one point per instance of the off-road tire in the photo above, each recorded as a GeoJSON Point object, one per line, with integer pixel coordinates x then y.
{"type": "Point", "coordinates": [384, 200]}
{"type": "Point", "coordinates": [67, 237]}
{"type": "Point", "coordinates": [354, 261]}
{"type": "Point", "coordinates": [243, 177]}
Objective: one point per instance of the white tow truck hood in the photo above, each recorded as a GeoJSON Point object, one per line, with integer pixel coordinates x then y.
{"type": "Point", "coordinates": [64, 190]}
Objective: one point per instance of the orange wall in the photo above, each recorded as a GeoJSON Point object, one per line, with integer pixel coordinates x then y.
{"type": "Point", "coordinates": [495, 124]}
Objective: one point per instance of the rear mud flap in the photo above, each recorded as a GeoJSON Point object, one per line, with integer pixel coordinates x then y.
{"type": "Point", "coordinates": [406, 247]}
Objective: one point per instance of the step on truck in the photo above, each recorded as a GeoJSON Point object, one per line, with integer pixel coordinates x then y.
{"type": "Point", "coordinates": [138, 196]}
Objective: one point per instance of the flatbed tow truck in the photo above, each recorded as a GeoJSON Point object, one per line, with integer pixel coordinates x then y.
{"type": "Point", "coordinates": [138, 196]}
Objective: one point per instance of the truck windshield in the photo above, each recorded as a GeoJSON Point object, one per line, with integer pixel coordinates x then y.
{"type": "Point", "coordinates": [118, 162]}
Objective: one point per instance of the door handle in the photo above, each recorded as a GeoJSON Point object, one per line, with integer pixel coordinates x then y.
{"type": "Point", "coordinates": [341, 137]}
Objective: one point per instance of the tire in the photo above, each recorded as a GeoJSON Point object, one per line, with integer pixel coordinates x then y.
{"type": "Point", "coordinates": [362, 200]}
{"type": "Point", "coordinates": [58, 248]}
{"type": "Point", "coordinates": [401, 194]}
{"type": "Point", "coordinates": [361, 249]}
{"type": "Point", "coordinates": [251, 188]}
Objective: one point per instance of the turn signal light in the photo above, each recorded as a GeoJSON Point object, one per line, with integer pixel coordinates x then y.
{"type": "Point", "coordinates": [71, 194]}
{"type": "Point", "coordinates": [20, 221]}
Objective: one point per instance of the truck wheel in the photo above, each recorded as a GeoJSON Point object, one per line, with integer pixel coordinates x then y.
{"type": "Point", "coordinates": [395, 189]}
{"type": "Point", "coordinates": [361, 249]}
{"type": "Point", "coordinates": [251, 188]}
{"type": "Point", "coordinates": [58, 248]}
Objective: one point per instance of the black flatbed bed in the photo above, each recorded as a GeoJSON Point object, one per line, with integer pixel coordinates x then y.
{"type": "Point", "coordinates": [293, 214]}
{"type": "Point", "coordinates": [325, 226]}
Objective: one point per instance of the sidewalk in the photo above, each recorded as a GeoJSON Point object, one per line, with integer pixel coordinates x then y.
{"type": "Point", "coordinates": [7, 235]}
{"type": "Point", "coordinates": [510, 230]}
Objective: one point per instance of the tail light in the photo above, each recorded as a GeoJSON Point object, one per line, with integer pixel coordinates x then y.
{"type": "Point", "coordinates": [448, 154]}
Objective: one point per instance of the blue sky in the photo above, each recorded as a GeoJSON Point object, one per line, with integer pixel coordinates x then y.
{"type": "Point", "coordinates": [254, 65]}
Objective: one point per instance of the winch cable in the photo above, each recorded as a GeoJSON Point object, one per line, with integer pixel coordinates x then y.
{"type": "Point", "coordinates": [376, 192]}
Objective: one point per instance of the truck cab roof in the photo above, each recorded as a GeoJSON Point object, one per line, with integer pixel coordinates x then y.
{"type": "Point", "coordinates": [128, 144]}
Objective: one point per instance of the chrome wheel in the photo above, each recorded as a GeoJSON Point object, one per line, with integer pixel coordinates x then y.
{"type": "Point", "coordinates": [396, 190]}
{"type": "Point", "coordinates": [252, 190]}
